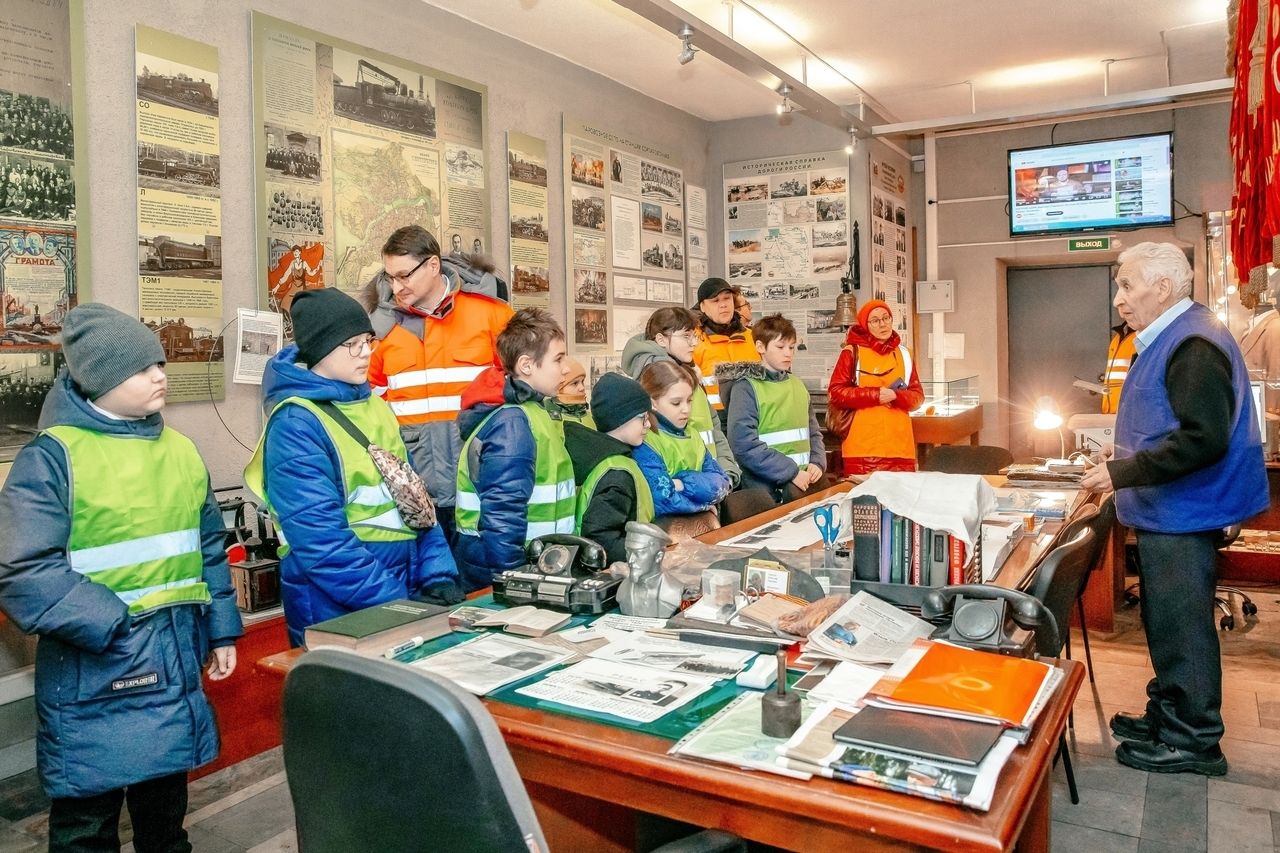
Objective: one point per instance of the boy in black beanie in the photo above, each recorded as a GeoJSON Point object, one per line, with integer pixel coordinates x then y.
{"type": "Point", "coordinates": [611, 488]}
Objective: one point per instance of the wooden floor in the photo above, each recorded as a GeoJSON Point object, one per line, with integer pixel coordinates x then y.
{"type": "Point", "coordinates": [246, 807]}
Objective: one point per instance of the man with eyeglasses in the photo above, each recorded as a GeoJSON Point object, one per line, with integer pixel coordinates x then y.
{"type": "Point", "coordinates": [435, 338]}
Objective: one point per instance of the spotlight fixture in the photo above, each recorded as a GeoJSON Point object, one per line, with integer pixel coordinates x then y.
{"type": "Point", "coordinates": [853, 142]}
{"type": "Point", "coordinates": [686, 40]}
{"type": "Point", "coordinates": [786, 106]}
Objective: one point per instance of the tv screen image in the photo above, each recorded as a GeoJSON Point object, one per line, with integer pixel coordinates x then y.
{"type": "Point", "coordinates": [1087, 186]}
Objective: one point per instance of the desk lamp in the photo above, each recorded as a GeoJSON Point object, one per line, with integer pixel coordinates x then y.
{"type": "Point", "coordinates": [1047, 418]}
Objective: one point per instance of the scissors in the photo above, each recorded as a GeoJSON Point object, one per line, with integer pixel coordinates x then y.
{"type": "Point", "coordinates": [828, 523]}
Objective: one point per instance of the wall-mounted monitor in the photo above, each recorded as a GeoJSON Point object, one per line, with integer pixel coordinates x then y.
{"type": "Point", "coordinates": [1087, 186]}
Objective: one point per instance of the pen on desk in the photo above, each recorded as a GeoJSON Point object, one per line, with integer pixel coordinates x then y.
{"type": "Point", "coordinates": [411, 643]}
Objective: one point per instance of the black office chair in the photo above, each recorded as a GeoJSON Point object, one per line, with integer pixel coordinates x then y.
{"type": "Point", "coordinates": [967, 459]}
{"type": "Point", "coordinates": [383, 757]}
{"type": "Point", "coordinates": [1084, 519]}
{"type": "Point", "coordinates": [1058, 582]}
{"type": "Point", "coordinates": [1221, 592]}
{"type": "Point", "coordinates": [1100, 522]}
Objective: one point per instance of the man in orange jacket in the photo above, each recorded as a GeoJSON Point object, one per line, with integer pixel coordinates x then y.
{"type": "Point", "coordinates": [434, 339]}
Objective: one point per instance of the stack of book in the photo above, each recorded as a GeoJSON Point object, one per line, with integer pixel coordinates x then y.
{"type": "Point", "coordinates": [889, 548]}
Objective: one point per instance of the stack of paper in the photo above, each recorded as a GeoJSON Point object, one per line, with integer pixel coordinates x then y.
{"type": "Point", "coordinates": [867, 630]}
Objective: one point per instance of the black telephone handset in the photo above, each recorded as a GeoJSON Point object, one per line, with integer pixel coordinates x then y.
{"type": "Point", "coordinates": [566, 555]}
{"type": "Point", "coordinates": [986, 617]}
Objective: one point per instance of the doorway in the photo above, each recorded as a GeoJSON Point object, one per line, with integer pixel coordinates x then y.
{"type": "Point", "coordinates": [1060, 321]}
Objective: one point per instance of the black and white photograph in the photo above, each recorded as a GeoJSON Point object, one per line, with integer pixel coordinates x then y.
{"type": "Point", "coordinates": [615, 167]}
{"type": "Point", "coordinates": [660, 183]}
{"type": "Point", "coordinates": [821, 323]}
{"type": "Point", "coordinates": [776, 291]}
{"type": "Point", "coordinates": [490, 661]}
{"type": "Point", "coordinates": [163, 167]}
{"type": "Point", "coordinates": [36, 188]}
{"type": "Point", "coordinates": [164, 81]}
{"type": "Point", "coordinates": [528, 223]}
{"type": "Point", "coordinates": [526, 168]}
{"type": "Point", "coordinates": [464, 166]}
{"type": "Point", "coordinates": [672, 222]}
{"type": "Point", "coordinates": [257, 343]}
{"type": "Point", "coordinates": [588, 250]}
{"type": "Point", "coordinates": [590, 326]}
{"type": "Point", "coordinates": [752, 292]}
{"type": "Point", "coordinates": [828, 261]}
{"type": "Point", "coordinates": [751, 269]}
{"type": "Point", "coordinates": [806, 291]}
{"type": "Point", "coordinates": [877, 233]}
{"type": "Point", "coordinates": [787, 186]}
{"type": "Point", "coordinates": [830, 235]}
{"type": "Point", "coordinates": [672, 255]}
{"type": "Point", "coordinates": [588, 208]}
{"type": "Point", "coordinates": [828, 183]}
{"type": "Point", "coordinates": [33, 123]}
{"type": "Point", "coordinates": [650, 216]}
{"type": "Point", "coordinates": [590, 286]}
{"type": "Point", "coordinates": [651, 250]}
{"type": "Point", "coordinates": [180, 255]}
{"type": "Point", "coordinates": [25, 379]}
{"type": "Point", "coordinates": [832, 210]}
{"type": "Point", "coordinates": [746, 242]}
{"type": "Point", "coordinates": [753, 189]}
{"type": "Point", "coordinates": [295, 210]}
{"type": "Point", "coordinates": [530, 280]}
{"type": "Point", "coordinates": [900, 215]}
{"type": "Point", "coordinates": [383, 94]}
{"type": "Point", "coordinates": [587, 168]}
{"type": "Point", "coordinates": [291, 153]}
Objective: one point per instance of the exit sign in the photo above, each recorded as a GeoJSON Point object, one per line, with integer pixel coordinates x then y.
{"type": "Point", "coordinates": [1089, 244]}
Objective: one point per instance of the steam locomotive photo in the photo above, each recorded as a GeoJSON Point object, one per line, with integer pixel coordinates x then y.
{"type": "Point", "coordinates": [379, 97]}
{"type": "Point", "coordinates": [174, 171]}
{"type": "Point", "coordinates": [163, 253]}
{"type": "Point", "coordinates": [179, 90]}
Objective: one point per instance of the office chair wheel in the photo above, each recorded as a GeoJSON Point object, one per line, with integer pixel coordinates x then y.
{"type": "Point", "coordinates": [1248, 608]}
{"type": "Point", "coordinates": [1227, 623]}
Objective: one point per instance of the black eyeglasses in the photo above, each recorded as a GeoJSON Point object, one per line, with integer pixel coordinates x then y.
{"type": "Point", "coordinates": [403, 277]}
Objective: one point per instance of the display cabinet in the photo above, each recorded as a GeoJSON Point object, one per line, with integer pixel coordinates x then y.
{"type": "Point", "coordinates": [950, 413]}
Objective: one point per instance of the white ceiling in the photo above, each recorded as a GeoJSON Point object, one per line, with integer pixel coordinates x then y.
{"type": "Point", "coordinates": [913, 56]}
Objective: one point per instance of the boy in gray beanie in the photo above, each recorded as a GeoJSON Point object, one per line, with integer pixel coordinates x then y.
{"type": "Point", "coordinates": [124, 580]}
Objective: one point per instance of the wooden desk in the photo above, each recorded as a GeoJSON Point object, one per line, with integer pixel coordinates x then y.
{"type": "Point", "coordinates": [591, 783]}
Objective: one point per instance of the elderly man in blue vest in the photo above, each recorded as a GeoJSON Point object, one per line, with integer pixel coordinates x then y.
{"type": "Point", "coordinates": [1187, 463]}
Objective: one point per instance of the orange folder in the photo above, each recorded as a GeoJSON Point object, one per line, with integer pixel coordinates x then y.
{"type": "Point", "coordinates": [973, 683]}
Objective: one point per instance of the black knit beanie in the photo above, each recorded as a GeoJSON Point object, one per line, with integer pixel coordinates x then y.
{"type": "Point", "coordinates": [323, 319]}
{"type": "Point", "coordinates": [616, 399]}
{"type": "Point", "coordinates": [104, 347]}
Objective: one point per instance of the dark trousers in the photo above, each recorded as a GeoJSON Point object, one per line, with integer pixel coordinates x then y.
{"type": "Point", "coordinates": [91, 824]}
{"type": "Point", "coordinates": [1178, 574]}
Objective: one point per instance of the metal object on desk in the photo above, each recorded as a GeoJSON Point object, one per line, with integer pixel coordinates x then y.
{"type": "Point", "coordinates": [827, 519]}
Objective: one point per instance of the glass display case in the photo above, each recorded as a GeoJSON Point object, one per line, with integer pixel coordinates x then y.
{"type": "Point", "coordinates": [945, 399]}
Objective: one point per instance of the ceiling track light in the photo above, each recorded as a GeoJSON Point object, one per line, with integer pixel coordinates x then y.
{"type": "Point", "coordinates": [688, 51]}
{"type": "Point", "coordinates": [786, 106]}
{"type": "Point", "coordinates": [853, 142]}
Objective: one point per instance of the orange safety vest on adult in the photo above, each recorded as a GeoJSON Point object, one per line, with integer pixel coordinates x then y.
{"type": "Point", "coordinates": [880, 436]}
{"type": "Point", "coordinates": [422, 364]}
{"type": "Point", "coordinates": [714, 347]}
{"type": "Point", "coordinates": [1120, 354]}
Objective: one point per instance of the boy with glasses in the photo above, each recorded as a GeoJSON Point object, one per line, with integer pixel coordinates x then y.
{"type": "Point", "coordinates": [343, 543]}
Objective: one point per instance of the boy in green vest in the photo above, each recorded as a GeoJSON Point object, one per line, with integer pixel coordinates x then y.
{"type": "Point", "coordinates": [515, 478]}
{"type": "Point", "coordinates": [773, 430]}
{"type": "Point", "coordinates": [611, 488]}
{"type": "Point", "coordinates": [112, 554]}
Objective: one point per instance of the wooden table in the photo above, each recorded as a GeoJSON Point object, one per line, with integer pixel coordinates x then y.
{"type": "Point", "coordinates": [591, 784]}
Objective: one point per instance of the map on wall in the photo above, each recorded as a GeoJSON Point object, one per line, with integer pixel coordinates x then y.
{"type": "Point", "coordinates": [353, 144]}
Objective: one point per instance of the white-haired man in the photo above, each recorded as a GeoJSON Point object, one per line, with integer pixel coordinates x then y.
{"type": "Point", "coordinates": [1187, 463]}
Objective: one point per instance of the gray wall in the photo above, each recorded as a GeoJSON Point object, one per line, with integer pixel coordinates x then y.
{"type": "Point", "coordinates": [528, 91]}
{"type": "Point", "coordinates": [975, 249]}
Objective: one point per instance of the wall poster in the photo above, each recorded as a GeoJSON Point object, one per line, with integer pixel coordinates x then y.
{"type": "Point", "coordinates": [353, 143]}
{"type": "Point", "coordinates": [891, 273]}
{"type": "Point", "coordinates": [787, 245]}
{"type": "Point", "coordinates": [180, 209]}
{"type": "Point", "coordinates": [39, 178]}
{"type": "Point", "coordinates": [624, 241]}
{"type": "Point", "coordinates": [528, 217]}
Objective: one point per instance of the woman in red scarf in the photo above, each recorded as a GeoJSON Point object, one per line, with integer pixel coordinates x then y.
{"type": "Point", "coordinates": [876, 378]}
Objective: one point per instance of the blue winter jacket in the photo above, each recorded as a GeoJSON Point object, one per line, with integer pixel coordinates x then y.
{"type": "Point", "coordinates": [328, 570]}
{"type": "Point", "coordinates": [96, 732]}
{"type": "Point", "coordinates": [502, 465]}
{"type": "Point", "coordinates": [702, 489]}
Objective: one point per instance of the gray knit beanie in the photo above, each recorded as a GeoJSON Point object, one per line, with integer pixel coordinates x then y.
{"type": "Point", "coordinates": [104, 347]}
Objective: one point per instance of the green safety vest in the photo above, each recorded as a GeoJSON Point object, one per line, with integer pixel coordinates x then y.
{"type": "Point", "coordinates": [784, 417]}
{"type": "Point", "coordinates": [700, 415]}
{"type": "Point", "coordinates": [644, 497]}
{"type": "Point", "coordinates": [586, 420]}
{"type": "Point", "coordinates": [679, 453]}
{"type": "Point", "coordinates": [554, 499]}
{"type": "Point", "coordinates": [141, 541]}
{"type": "Point", "coordinates": [370, 510]}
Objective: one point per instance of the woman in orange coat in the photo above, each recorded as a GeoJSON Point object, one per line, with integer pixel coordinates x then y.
{"type": "Point", "coordinates": [876, 378]}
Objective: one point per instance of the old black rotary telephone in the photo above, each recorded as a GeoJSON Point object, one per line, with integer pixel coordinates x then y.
{"type": "Point", "coordinates": [987, 617]}
{"type": "Point", "coordinates": [565, 572]}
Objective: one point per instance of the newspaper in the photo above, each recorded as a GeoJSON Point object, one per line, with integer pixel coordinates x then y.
{"type": "Point", "coordinates": [867, 630]}
{"type": "Point", "coordinates": [733, 737]}
{"type": "Point", "coordinates": [258, 338]}
{"type": "Point", "coordinates": [795, 531]}
{"type": "Point", "coordinates": [675, 656]}
{"type": "Point", "coordinates": [640, 694]}
{"type": "Point", "coordinates": [847, 684]}
{"type": "Point", "coordinates": [619, 622]}
{"type": "Point", "coordinates": [486, 663]}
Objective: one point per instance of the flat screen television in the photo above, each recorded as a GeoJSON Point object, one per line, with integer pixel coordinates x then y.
{"type": "Point", "coordinates": [1088, 186]}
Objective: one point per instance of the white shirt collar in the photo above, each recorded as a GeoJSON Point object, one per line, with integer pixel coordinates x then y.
{"type": "Point", "coordinates": [1148, 336]}
{"type": "Point", "coordinates": [112, 415]}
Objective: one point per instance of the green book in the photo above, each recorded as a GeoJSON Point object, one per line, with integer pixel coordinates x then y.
{"type": "Point", "coordinates": [378, 628]}
{"type": "Point", "coordinates": [897, 569]}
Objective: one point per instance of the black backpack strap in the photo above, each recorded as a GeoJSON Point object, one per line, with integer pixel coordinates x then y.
{"type": "Point", "coordinates": [343, 421]}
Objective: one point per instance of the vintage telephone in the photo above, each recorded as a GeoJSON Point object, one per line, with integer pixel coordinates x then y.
{"type": "Point", "coordinates": [252, 544]}
{"type": "Point", "coordinates": [987, 617]}
{"type": "Point", "coordinates": [566, 572]}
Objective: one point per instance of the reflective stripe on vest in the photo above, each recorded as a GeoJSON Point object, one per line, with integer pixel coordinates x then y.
{"type": "Point", "coordinates": [700, 420]}
{"type": "Point", "coordinates": [712, 350]}
{"type": "Point", "coordinates": [143, 542]}
{"type": "Point", "coordinates": [644, 496]}
{"type": "Point", "coordinates": [1120, 354]}
{"type": "Point", "coordinates": [880, 431]}
{"type": "Point", "coordinates": [679, 453]}
{"type": "Point", "coordinates": [783, 408]}
{"type": "Point", "coordinates": [553, 503]}
{"type": "Point", "coordinates": [370, 510]}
